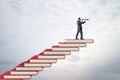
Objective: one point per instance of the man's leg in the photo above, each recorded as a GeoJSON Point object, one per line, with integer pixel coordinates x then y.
{"type": "Point", "coordinates": [77, 34]}
{"type": "Point", "coordinates": [81, 33]}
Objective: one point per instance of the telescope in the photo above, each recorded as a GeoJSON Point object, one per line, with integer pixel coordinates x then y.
{"type": "Point", "coordinates": [85, 19]}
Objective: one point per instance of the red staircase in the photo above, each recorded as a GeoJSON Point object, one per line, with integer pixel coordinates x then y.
{"type": "Point", "coordinates": [32, 66]}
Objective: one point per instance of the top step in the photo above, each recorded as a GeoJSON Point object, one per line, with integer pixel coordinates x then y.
{"type": "Point", "coordinates": [80, 41]}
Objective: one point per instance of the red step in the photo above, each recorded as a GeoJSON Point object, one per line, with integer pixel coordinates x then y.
{"type": "Point", "coordinates": [80, 41]}
{"type": "Point", "coordinates": [64, 48]}
{"type": "Point", "coordinates": [71, 44]}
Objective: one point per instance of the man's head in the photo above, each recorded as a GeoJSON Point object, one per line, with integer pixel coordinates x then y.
{"type": "Point", "coordinates": [79, 18]}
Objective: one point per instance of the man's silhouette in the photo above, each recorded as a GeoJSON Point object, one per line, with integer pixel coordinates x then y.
{"type": "Point", "coordinates": [79, 28]}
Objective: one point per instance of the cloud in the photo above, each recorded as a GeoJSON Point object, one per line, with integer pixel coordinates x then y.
{"type": "Point", "coordinates": [15, 5]}
{"type": "Point", "coordinates": [40, 24]}
{"type": "Point", "coordinates": [103, 2]}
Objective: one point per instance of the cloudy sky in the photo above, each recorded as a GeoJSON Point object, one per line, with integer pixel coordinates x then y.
{"type": "Point", "coordinates": [27, 27]}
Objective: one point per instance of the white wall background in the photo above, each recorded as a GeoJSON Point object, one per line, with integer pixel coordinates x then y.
{"type": "Point", "coordinates": [29, 26]}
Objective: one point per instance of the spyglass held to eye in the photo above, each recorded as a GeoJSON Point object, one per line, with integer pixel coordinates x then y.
{"type": "Point", "coordinates": [84, 19]}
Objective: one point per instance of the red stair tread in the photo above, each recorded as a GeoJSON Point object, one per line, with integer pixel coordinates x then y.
{"type": "Point", "coordinates": [50, 50]}
{"type": "Point", "coordinates": [72, 43]}
{"type": "Point", "coordinates": [57, 46]}
{"type": "Point", "coordinates": [82, 40]}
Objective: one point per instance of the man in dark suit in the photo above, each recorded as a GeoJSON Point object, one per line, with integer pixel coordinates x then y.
{"type": "Point", "coordinates": [79, 28]}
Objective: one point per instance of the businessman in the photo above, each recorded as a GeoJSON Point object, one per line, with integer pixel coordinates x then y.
{"type": "Point", "coordinates": [79, 28]}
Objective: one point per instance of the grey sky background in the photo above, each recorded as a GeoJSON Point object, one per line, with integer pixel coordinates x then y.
{"type": "Point", "coordinates": [29, 26]}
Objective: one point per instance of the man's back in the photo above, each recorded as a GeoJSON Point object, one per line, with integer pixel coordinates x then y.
{"type": "Point", "coordinates": [79, 22]}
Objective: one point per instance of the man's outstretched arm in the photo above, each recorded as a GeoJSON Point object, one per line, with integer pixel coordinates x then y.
{"type": "Point", "coordinates": [83, 22]}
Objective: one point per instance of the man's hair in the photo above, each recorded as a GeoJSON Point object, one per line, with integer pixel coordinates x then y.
{"type": "Point", "coordinates": [79, 18]}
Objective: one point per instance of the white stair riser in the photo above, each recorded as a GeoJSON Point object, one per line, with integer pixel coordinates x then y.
{"type": "Point", "coordinates": [22, 69]}
{"type": "Point", "coordinates": [28, 64]}
{"type": "Point", "coordinates": [28, 73]}
{"type": "Point", "coordinates": [56, 52]}
{"type": "Point", "coordinates": [71, 49]}
{"type": "Point", "coordinates": [49, 61]}
{"type": "Point", "coordinates": [82, 41]}
{"type": "Point", "coordinates": [75, 45]}
{"type": "Point", "coordinates": [16, 77]}
{"type": "Point", "coordinates": [51, 57]}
